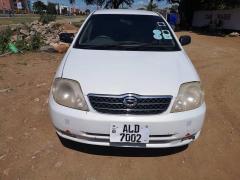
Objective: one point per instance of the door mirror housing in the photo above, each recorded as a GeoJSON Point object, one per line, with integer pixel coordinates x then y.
{"type": "Point", "coordinates": [66, 37]}
{"type": "Point", "coordinates": [184, 40]}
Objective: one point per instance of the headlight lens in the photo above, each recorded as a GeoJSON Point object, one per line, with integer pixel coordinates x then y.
{"type": "Point", "coordinates": [190, 96]}
{"type": "Point", "coordinates": [68, 93]}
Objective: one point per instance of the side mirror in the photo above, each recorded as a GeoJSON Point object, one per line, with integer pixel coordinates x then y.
{"type": "Point", "coordinates": [184, 40]}
{"type": "Point", "coordinates": [66, 37]}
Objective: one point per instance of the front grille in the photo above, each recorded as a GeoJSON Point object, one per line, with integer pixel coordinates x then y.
{"type": "Point", "coordinates": [112, 104]}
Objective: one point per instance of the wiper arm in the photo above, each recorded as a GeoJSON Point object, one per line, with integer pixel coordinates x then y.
{"type": "Point", "coordinates": [139, 46]}
{"type": "Point", "coordinates": [131, 43]}
{"type": "Point", "coordinates": [97, 46]}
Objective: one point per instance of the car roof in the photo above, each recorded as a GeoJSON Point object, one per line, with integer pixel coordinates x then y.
{"type": "Point", "coordinates": [126, 11]}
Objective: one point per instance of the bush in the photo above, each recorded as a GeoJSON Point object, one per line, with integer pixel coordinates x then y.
{"type": "Point", "coordinates": [22, 44]}
{"type": "Point", "coordinates": [35, 42]}
{"type": "Point", "coordinates": [5, 38]}
{"type": "Point", "coordinates": [7, 44]}
{"type": "Point", "coordinates": [46, 18]}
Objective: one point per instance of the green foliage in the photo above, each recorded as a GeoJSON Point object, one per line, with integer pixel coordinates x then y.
{"type": "Point", "coordinates": [21, 44]}
{"type": "Point", "coordinates": [5, 38]}
{"type": "Point", "coordinates": [7, 44]}
{"type": "Point", "coordinates": [35, 42]}
{"type": "Point", "coordinates": [51, 8]}
{"type": "Point", "coordinates": [151, 6]}
{"type": "Point", "coordinates": [87, 11]}
{"type": "Point", "coordinates": [39, 7]}
{"type": "Point", "coordinates": [114, 4]}
{"type": "Point", "coordinates": [46, 18]}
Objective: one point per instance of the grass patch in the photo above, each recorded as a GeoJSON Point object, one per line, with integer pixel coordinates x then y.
{"type": "Point", "coordinates": [17, 20]}
{"type": "Point", "coordinates": [30, 18]}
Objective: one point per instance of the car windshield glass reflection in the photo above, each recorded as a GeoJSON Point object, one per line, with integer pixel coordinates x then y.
{"type": "Point", "coordinates": [126, 32]}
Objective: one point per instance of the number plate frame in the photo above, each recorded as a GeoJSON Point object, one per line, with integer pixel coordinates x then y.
{"type": "Point", "coordinates": [129, 133]}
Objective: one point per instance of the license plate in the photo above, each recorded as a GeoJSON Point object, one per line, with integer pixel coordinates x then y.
{"type": "Point", "coordinates": [129, 133]}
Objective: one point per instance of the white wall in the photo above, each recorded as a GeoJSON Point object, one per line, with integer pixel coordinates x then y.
{"type": "Point", "coordinates": [230, 18]}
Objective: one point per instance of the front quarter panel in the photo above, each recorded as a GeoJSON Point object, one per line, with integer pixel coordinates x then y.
{"type": "Point", "coordinates": [60, 69]}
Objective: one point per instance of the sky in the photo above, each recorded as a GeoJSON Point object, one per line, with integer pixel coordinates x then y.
{"type": "Point", "coordinates": [82, 6]}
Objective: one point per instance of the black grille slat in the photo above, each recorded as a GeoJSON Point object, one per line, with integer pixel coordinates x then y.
{"type": "Point", "coordinates": [112, 104]}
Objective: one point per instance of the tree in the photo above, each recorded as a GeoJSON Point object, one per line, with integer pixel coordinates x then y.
{"type": "Point", "coordinates": [151, 6]}
{"type": "Point", "coordinates": [51, 8]}
{"type": "Point", "coordinates": [87, 11]}
{"type": "Point", "coordinates": [113, 4]}
{"type": "Point", "coordinates": [39, 7]}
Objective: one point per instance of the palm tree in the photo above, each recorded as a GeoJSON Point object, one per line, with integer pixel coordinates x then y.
{"type": "Point", "coordinates": [151, 6]}
{"type": "Point", "coordinates": [113, 4]}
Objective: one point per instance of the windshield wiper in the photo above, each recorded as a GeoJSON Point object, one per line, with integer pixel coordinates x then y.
{"type": "Point", "coordinates": [126, 45]}
{"type": "Point", "coordinates": [97, 46]}
{"type": "Point", "coordinates": [131, 43]}
{"type": "Point", "coordinates": [138, 46]}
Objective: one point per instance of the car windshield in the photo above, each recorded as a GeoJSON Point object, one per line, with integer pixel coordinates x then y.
{"type": "Point", "coordinates": [126, 32]}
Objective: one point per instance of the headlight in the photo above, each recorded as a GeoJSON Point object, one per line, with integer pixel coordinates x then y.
{"type": "Point", "coordinates": [68, 93]}
{"type": "Point", "coordinates": [190, 96]}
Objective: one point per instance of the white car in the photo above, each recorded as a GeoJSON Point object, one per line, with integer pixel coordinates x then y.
{"type": "Point", "coordinates": [126, 81]}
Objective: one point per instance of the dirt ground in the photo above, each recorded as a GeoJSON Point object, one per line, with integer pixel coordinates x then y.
{"type": "Point", "coordinates": [30, 149]}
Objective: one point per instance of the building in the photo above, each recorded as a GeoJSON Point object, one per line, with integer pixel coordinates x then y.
{"type": "Point", "coordinates": [224, 19]}
{"type": "Point", "coordinates": [5, 5]}
{"type": "Point", "coordinates": [26, 6]}
{"type": "Point", "coordinates": [18, 6]}
{"type": "Point", "coordinates": [21, 6]}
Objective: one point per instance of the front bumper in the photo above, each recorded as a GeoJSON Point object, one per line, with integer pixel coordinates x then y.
{"type": "Point", "coordinates": [166, 130]}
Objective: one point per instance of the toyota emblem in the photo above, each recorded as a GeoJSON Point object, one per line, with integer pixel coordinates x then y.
{"type": "Point", "coordinates": [130, 101]}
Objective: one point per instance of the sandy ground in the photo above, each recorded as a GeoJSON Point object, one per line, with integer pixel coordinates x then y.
{"type": "Point", "coordinates": [30, 149]}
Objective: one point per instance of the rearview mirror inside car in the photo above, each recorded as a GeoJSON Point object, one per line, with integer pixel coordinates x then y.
{"type": "Point", "coordinates": [184, 40]}
{"type": "Point", "coordinates": [66, 37]}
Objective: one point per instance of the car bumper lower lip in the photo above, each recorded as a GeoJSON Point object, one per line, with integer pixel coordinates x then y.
{"type": "Point", "coordinates": [104, 141]}
{"type": "Point", "coordinates": [166, 130]}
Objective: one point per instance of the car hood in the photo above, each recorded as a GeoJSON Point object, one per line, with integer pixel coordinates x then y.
{"type": "Point", "coordinates": [120, 72]}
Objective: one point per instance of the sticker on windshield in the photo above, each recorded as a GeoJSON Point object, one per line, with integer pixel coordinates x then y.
{"type": "Point", "coordinates": [166, 34]}
{"type": "Point", "coordinates": [161, 24]}
{"type": "Point", "coordinates": [157, 34]}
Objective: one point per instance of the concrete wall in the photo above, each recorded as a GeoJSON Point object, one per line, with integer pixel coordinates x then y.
{"type": "Point", "coordinates": [229, 18]}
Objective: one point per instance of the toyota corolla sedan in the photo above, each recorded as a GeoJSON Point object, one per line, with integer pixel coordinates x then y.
{"type": "Point", "coordinates": [126, 81]}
